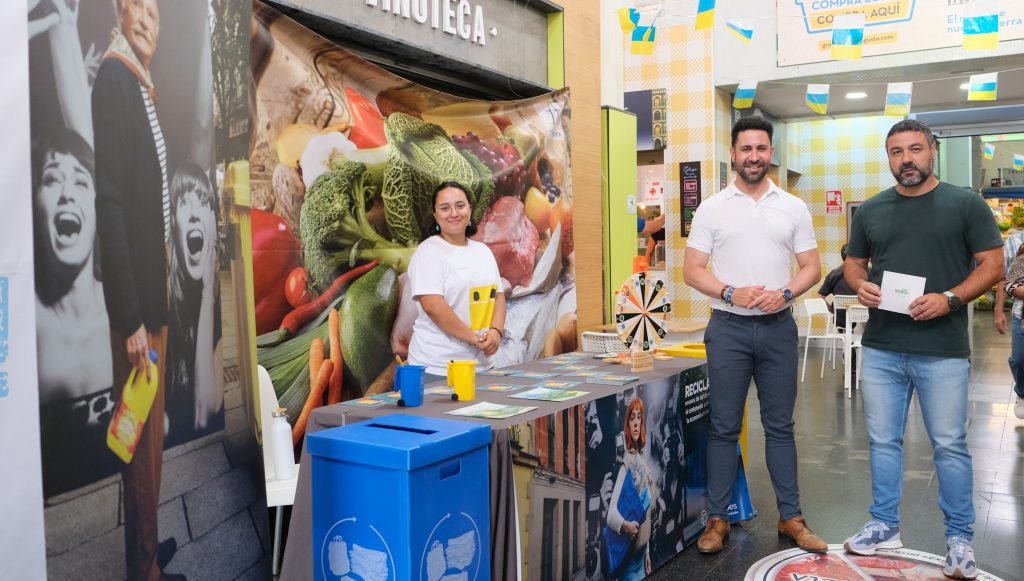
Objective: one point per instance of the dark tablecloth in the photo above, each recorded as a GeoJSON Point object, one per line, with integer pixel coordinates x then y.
{"type": "Point", "coordinates": [298, 557]}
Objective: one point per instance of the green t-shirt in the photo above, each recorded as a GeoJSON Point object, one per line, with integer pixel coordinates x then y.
{"type": "Point", "coordinates": [934, 235]}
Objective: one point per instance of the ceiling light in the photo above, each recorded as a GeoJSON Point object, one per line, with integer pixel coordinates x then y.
{"type": "Point", "coordinates": [965, 86]}
{"type": "Point", "coordinates": [856, 95]}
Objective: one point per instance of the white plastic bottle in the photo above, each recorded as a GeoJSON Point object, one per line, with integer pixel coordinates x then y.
{"type": "Point", "coordinates": [280, 442]}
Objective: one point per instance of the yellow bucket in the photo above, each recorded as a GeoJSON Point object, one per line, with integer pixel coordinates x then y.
{"type": "Point", "coordinates": [685, 350]}
{"type": "Point", "coordinates": [462, 377]}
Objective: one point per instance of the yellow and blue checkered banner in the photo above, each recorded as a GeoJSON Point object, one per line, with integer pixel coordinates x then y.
{"type": "Point", "coordinates": [983, 87]}
{"type": "Point", "coordinates": [845, 154]}
{"type": "Point", "coordinates": [1018, 162]}
{"type": "Point", "coordinates": [989, 151]}
{"type": "Point", "coordinates": [848, 36]}
{"type": "Point", "coordinates": [981, 25]}
{"type": "Point", "coordinates": [897, 99]}
{"type": "Point", "coordinates": [817, 98]}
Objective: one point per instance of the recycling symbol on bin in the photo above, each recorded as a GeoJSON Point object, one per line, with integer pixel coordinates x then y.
{"type": "Point", "coordinates": [352, 551]}
{"type": "Point", "coordinates": [452, 551]}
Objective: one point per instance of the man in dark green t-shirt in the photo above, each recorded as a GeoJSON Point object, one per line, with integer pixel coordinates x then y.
{"type": "Point", "coordinates": [933, 230]}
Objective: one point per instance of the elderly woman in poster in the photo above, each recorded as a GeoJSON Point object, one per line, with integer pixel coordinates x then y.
{"type": "Point", "coordinates": [628, 531]}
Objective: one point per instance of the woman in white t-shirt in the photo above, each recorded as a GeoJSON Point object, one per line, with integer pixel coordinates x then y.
{"type": "Point", "coordinates": [460, 307]}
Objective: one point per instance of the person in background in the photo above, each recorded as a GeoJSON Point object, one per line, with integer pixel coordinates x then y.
{"type": "Point", "coordinates": [645, 226]}
{"type": "Point", "coordinates": [455, 283]}
{"type": "Point", "coordinates": [133, 214]}
{"type": "Point", "coordinates": [655, 229]}
{"type": "Point", "coordinates": [1011, 248]}
{"type": "Point", "coordinates": [835, 284]}
{"type": "Point", "coordinates": [750, 232]}
{"type": "Point", "coordinates": [652, 243]}
{"type": "Point", "coordinates": [925, 228]}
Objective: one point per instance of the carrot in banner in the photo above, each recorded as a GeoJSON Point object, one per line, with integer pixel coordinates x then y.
{"type": "Point", "coordinates": [316, 358]}
{"type": "Point", "coordinates": [316, 396]}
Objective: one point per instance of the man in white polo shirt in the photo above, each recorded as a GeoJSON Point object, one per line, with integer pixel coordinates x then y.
{"type": "Point", "coordinates": [750, 232]}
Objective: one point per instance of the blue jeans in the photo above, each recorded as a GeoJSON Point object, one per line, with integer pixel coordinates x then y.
{"type": "Point", "coordinates": [1016, 360]}
{"type": "Point", "coordinates": [888, 380]}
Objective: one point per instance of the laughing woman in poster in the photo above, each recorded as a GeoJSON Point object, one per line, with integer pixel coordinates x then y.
{"type": "Point", "coordinates": [632, 504]}
{"type": "Point", "coordinates": [73, 335]}
{"type": "Point", "coordinates": [455, 282]}
{"type": "Point", "coordinates": [195, 375]}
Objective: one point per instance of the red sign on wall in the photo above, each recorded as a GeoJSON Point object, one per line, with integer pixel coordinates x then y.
{"type": "Point", "coordinates": [834, 201]}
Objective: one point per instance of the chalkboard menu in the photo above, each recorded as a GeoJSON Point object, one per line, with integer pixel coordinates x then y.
{"type": "Point", "coordinates": [690, 189]}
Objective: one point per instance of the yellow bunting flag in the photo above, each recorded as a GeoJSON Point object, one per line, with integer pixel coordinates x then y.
{"type": "Point", "coordinates": [741, 29]}
{"type": "Point", "coordinates": [744, 97]}
{"type": "Point", "coordinates": [817, 98]}
{"type": "Point", "coordinates": [848, 36]}
{"type": "Point", "coordinates": [983, 87]}
{"type": "Point", "coordinates": [628, 19]}
{"type": "Point", "coordinates": [643, 40]}
{"type": "Point", "coordinates": [897, 99]}
{"type": "Point", "coordinates": [705, 15]}
{"type": "Point", "coordinates": [981, 25]}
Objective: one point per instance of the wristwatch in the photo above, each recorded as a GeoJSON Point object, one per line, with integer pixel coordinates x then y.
{"type": "Point", "coordinates": [953, 301]}
{"type": "Point", "coordinates": [787, 294]}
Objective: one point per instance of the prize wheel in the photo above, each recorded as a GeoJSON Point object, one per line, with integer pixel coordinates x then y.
{"type": "Point", "coordinates": [641, 312]}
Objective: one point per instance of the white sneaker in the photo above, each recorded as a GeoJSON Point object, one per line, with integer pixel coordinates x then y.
{"type": "Point", "coordinates": [873, 536]}
{"type": "Point", "coordinates": [1018, 407]}
{"type": "Point", "coordinates": [960, 563]}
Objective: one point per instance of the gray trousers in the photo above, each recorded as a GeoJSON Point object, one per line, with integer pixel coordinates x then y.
{"type": "Point", "coordinates": [762, 348]}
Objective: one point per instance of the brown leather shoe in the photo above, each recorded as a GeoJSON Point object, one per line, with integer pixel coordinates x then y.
{"type": "Point", "coordinates": [796, 529]}
{"type": "Point", "coordinates": [713, 538]}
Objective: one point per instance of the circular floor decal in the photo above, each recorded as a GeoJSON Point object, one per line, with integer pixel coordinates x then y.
{"type": "Point", "coordinates": [838, 565]}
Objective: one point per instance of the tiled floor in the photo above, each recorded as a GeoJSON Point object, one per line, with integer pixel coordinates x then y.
{"type": "Point", "coordinates": [835, 475]}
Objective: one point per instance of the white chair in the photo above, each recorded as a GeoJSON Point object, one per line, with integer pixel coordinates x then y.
{"type": "Point", "coordinates": [841, 303]}
{"type": "Point", "coordinates": [817, 307]}
{"type": "Point", "coordinates": [856, 318]}
{"type": "Point", "coordinates": [280, 493]}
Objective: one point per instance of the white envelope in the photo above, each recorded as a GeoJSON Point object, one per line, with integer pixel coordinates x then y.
{"type": "Point", "coordinates": [899, 290]}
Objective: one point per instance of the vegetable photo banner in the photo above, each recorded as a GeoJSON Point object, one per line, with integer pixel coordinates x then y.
{"type": "Point", "coordinates": [345, 158]}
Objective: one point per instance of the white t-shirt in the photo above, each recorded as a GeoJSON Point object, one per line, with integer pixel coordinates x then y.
{"type": "Point", "coordinates": [752, 243]}
{"type": "Point", "coordinates": [467, 277]}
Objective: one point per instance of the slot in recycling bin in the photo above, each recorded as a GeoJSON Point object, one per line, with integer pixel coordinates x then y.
{"type": "Point", "coordinates": [401, 497]}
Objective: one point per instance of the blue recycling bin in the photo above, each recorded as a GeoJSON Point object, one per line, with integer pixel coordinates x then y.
{"type": "Point", "coordinates": [401, 497]}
